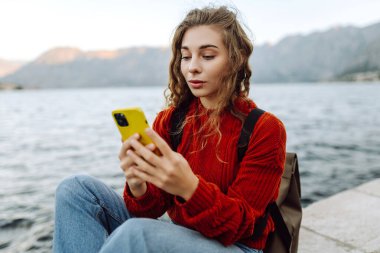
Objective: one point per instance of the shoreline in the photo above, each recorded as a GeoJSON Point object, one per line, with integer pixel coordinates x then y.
{"type": "Point", "coordinates": [13, 86]}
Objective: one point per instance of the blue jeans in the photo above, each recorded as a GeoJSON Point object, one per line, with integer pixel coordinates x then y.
{"type": "Point", "coordinates": [91, 217]}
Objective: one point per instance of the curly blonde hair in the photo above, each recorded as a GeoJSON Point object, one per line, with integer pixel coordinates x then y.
{"type": "Point", "coordinates": [235, 82]}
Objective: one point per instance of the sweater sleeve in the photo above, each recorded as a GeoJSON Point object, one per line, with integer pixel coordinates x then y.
{"type": "Point", "coordinates": [231, 217]}
{"type": "Point", "coordinates": [154, 202]}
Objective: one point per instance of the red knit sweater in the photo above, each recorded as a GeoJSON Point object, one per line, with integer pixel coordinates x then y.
{"type": "Point", "coordinates": [230, 196]}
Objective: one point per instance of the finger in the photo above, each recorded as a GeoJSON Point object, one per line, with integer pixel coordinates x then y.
{"type": "Point", "coordinates": [154, 149]}
{"type": "Point", "coordinates": [145, 153]}
{"type": "Point", "coordinates": [141, 163]}
{"type": "Point", "coordinates": [160, 143]}
{"type": "Point", "coordinates": [146, 177]}
{"type": "Point", "coordinates": [126, 163]}
{"type": "Point", "coordinates": [151, 146]}
{"type": "Point", "coordinates": [131, 175]}
{"type": "Point", "coordinates": [127, 145]}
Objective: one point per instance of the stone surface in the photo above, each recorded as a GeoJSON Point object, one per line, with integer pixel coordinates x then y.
{"type": "Point", "coordinates": [371, 188]}
{"type": "Point", "coordinates": [346, 222]}
{"type": "Point", "coordinates": [311, 242]}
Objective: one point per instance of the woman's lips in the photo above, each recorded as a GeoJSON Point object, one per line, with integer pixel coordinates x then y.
{"type": "Point", "coordinates": [196, 84]}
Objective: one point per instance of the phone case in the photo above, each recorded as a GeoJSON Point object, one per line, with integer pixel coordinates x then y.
{"type": "Point", "coordinates": [130, 121]}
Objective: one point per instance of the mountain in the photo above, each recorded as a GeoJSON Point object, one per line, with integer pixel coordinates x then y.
{"type": "Point", "coordinates": [340, 53]}
{"type": "Point", "coordinates": [8, 67]}
{"type": "Point", "coordinates": [71, 67]}
{"type": "Point", "coordinates": [320, 56]}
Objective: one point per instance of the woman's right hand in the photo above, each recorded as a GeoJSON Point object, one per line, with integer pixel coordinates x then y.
{"type": "Point", "coordinates": [136, 185]}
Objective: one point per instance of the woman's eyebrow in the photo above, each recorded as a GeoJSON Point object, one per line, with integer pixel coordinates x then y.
{"type": "Point", "coordinates": [206, 46]}
{"type": "Point", "coordinates": [201, 47]}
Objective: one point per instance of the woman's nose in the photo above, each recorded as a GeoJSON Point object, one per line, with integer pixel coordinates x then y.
{"type": "Point", "coordinates": [194, 66]}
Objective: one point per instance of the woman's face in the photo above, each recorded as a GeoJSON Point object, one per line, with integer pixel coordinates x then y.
{"type": "Point", "coordinates": [204, 61]}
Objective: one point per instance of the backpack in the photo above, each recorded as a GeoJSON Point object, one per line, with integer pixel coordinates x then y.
{"type": "Point", "coordinates": [286, 211]}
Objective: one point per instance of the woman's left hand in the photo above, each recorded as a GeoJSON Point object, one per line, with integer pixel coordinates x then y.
{"type": "Point", "coordinates": [169, 172]}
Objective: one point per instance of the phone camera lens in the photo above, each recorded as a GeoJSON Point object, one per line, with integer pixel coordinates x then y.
{"type": "Point", "coordinates": [121, 120]}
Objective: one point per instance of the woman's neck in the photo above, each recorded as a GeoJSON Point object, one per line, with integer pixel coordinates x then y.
{"type": "Point", "coordinates": [208, 103]}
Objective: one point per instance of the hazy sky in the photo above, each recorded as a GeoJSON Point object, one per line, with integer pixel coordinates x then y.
{"type": "Point", "coordinates": [30, 27]}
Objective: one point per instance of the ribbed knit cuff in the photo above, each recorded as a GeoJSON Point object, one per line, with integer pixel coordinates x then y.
{"type": "Point", "coordinates": [202, 199]}
{"type": "Point", "coordinates": [143, 200]}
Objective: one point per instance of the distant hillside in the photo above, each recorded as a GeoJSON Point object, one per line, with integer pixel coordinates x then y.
{"type": "Point", "coordinates": [320, 56]}
{"type": "Point", "coordinates": [341, 53]}
{"type": "Point", "coordinates": [71, 67]}
{"type": "Point", "coordinates": [8, 67]}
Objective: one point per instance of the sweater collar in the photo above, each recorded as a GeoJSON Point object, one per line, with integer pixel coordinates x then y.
{"type": "Point", "coordinates": [245, 106]}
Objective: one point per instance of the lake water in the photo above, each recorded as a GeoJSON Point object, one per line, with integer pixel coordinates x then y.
{"type": "Point", "coordinates": [46, 135]}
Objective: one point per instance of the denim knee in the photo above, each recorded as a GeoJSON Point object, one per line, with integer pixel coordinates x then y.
{"type": "Point", "coordinates": [136, 228]}
{"type": "Point", "coordinates": [131, 236]}
{"type": "Point", "coordinates": [134, 225]}
{"type": "Point", "coordinates": [70, 184]}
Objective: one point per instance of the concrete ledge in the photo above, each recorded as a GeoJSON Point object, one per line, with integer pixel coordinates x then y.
{"type": "Point", "coordinates": [346, 222]}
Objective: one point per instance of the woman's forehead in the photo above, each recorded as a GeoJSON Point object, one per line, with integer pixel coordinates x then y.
{"type": "Point", "coordinates": [199, 36]}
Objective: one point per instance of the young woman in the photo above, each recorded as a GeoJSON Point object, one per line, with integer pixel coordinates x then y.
{"type": "Point", "coordinates": [212, 199]}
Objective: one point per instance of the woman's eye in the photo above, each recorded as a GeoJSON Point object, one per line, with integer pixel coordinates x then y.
{"type": "Point", "coordinates": [185, 58]}
{"type": "Point", "coordinates": [208, 57]}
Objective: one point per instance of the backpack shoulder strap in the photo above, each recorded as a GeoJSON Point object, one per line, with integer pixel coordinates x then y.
{"type": "Point", "coordinates": [245, 135]}
{"type": "Point", "coordinates": [272, 208]}
{"type": "Point", "coordinates": [249, 125]}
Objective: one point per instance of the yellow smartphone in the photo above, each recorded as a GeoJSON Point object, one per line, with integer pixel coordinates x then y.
{"type": "Point", "coordinates": [130, 121]}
